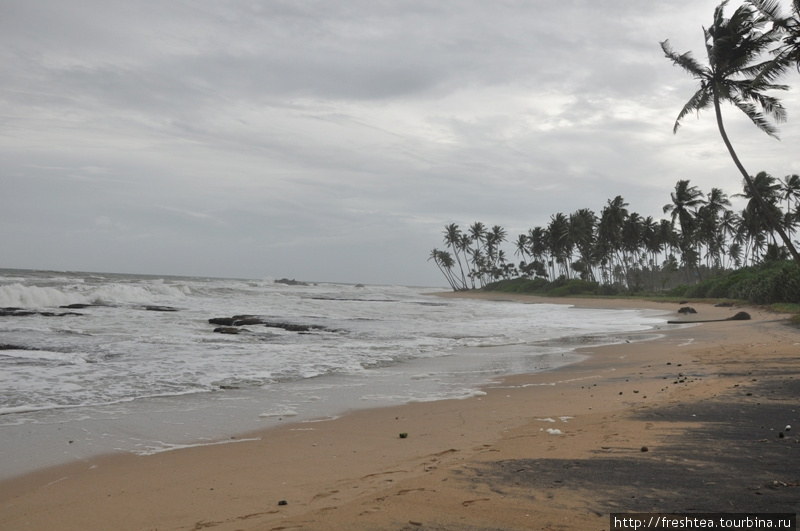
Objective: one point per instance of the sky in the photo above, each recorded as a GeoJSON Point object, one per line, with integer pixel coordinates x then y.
{"type": "Point", "coordinates": [332, 141]}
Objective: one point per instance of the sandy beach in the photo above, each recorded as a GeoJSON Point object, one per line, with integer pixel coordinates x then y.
{"type": "Point", "coordinates": [693, 421]}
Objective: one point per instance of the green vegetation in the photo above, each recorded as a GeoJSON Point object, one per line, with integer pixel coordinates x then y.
{"type": "Point", "coordinates": [773, 283]}
{"type": "Point", "coordinates": [704, 249]}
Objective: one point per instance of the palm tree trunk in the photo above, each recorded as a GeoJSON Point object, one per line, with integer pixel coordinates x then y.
{"type": "Point", "coordinates": [454, 247]}
{"type": "Point", "coordinates": [756, 194]}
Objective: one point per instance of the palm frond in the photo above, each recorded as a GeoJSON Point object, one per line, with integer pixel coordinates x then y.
{"type": "Point", "coordinates": [769, 8]}
{"type": "Point", "coordinates": [772, 106]}
{"type": "Point", "coordinates": [685, 61]}
{"type": "Point", "coordinates": [699, 101]}
{"type": "Point", "coordinates": [767, 72]}
{"type": "Point", "coordinates": [757, 117]}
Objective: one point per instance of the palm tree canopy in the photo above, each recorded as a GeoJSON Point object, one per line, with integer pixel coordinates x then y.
{"type": "Point", "coordinates": [788, 52]}
{"type": "Point", "coordinates": [685, 201]}
{"type": "Point", "coordinates": [732, 46]}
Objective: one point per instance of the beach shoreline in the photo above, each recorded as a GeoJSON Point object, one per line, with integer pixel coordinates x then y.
{"type": "Point", "coordinates": [453, 470]}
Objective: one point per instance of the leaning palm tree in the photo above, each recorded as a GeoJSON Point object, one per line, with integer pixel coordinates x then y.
{"type": "Point", "coordinates": [453, 239]}
{"type": "Point", "coordinates": [736, 74]}
{"type": "Point", "coordinates": [445, 263]}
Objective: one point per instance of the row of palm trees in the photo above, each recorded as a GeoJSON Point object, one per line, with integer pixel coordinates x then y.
{"type": "Point", "coordinates": [701, 237]}
{"type": "Point", "coordinates": [747, 53]}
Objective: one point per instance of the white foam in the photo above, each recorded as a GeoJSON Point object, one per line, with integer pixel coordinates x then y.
{"type": "Point", "coordinates": [115, 361]}
{"type": "Point", "coordinates": [279, 413]}
{"type": "Point", "coordinates": [167, 447]}
{"type": "Point", "coordinates": [23, 296]}
{"type": "Point", "coordinates": [19, 296]}
{"type": "Point", "coordinates": [43, 355]}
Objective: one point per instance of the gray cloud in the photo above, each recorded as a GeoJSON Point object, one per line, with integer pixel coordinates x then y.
{"type": "Point", "coordinates": [333, 140]}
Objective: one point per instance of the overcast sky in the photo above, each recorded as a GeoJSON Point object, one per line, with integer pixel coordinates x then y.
{"type": "Point", "coordinates": [333, 140]}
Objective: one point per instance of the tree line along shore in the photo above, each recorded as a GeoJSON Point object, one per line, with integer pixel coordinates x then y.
{"type": "Point", "coordinates": [704, 248]}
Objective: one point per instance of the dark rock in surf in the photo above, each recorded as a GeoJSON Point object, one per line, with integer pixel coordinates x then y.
{"type": "Point", "coordinates": [223, 321]}
{"type": "Point", "coordinates": [242, 320]}
{"type": "Point", "coordinates": [15, 312]}
{"type": "Point", "coordinates": [160, 309]}
{"type": "Point", "coordinates": [291, 282]}
{"type": "Point", "coordinates": [5, 346]}
{"type": "Point", "coordinates": [77, 306]}
{"type": "Point", "coordinates": [227, 330]}
{"type": "Point", "coordinates": [19, 312]}
{"type": "Point", "coordinates": [687, 310]}
{"type": "Point", "coordinates": [291, 327]}
{"type": "Point", "coordinates": [247, 321]}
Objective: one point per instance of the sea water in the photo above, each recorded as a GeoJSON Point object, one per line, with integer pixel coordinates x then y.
{"type": "Point", "coordinates": [140, 369]}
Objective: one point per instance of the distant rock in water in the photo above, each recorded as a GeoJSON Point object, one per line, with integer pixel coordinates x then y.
{"type": "Point", "coordinates": [236, 320]}
{"type": "Point", "coordinates": [77, 306]}
{"type": "Point", "coordinates": [247, 321]}
{"type": "Point", "coordinates": [687, 309]}
{"type": "Point", "coordinates": [360, 285]}
{"type": "Point", "coordinates": [243, 320]}
{"type": "Point", "coordinates": [20, 312]}
{"type": "Point", "coordinates": [226, 330]}
{"type": "Point", "coordinates": [741, 316]}
{"type": "Point", "coordinates": [4, 346]}
{"type": "Point", "coordinates": [293, 327]}
{"type": "Point", "coordinates": [291, 282]}
{"type": "Point", "coordinates": [160, 309]}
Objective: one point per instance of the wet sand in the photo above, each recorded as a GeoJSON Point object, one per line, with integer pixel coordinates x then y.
{"type": "Point", "coordinates": [693, 421]}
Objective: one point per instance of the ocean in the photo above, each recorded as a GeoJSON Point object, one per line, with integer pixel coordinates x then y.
{"type": "Point", "coordinates": [93, 363]}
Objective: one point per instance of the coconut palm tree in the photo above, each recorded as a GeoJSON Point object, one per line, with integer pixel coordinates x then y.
{"type": "Point", "coordinates": [609, 234]}
{"type": "Point", "coordinates": [444, 261]}
{"type": "Point", "coordinates": [477, 233]}
{"type": "Point", "coordinates": [652, 244]}
{"type": "Point", "coordinates": [789, 188]}
{"type": "Point", "coordinates": [709, 226]}
{"type": "Point", "coordinates": [734, 47]}
{"type": "Point", "coordinates": [729, 224]}
{"type": "Point", "coordinates": [538, 248]}
{"type": "Point", "coordinates": [452, 238]}
{"type": "Point", "coordinates": [767, 187]}
{"type": "Point", "coordinates": [790, 191]}
{"type": "Point", "coordinates": [685, 202]}
{"type": "Point", "coordinates": [494, 239]}
{"type": "Point", "coordinates": [560, 243]}
{"type": "Point", "coordinates": [521, 247]}
{"type": "Point", "coordinates": [582, 234]}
